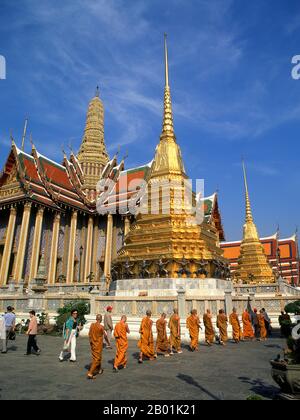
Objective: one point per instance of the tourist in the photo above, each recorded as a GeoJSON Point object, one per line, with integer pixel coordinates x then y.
{"type": "Point", "coordinates": [262, 326]}
{"type": "Point", "coordinates": [248, 331]}
{"type": "Point", "coordinates": [193, 325]}
{"type": "Point", "coordinates": [32, 333]}
{"type": "Point", "coordinates": [108, 326]}
{"type": "Point", "coordinates": [162, 342]}
{"type": "Point", "coordinates": [236, 327]}
{"type": "Point", "coordinates": [96, 335]}
{"type": "Point", "coordinates": [222, 324]}
{"type": "Point", "coordinates": [71, 332]}
{"type": "Point", "coordinates": [2, 332]}
{"type": "Point", "coordinates": [120, 334]}
{"type": "Point", "coordinates": [10, 323]}
{"type": "Point", "coordinates": [255, 323]}
{"type": "Point", "coordinates": [146, 343]}
{"type": "Point", "coordinates": [267, 323]}
{"type": "Point", "coordinates": [175, 333]}
{"type": "Point", "coordinates": [209, 329]}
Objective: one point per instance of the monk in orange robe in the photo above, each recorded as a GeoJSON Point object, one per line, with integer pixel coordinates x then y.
{"type": "Point", "coordinates": [162, 343]}
{"type": "Point", "coordinates": [120, 334]}
{"type": "Point", "coordinates": [247, 326]}
{"type": "Point", "coordinates": [96, 336]}
{"type": "Point", "coordinates": [146, 343]}
{"type": "Point", "coordinates": [236, 326]}
{"type": "Point", "coordinates": [193, 325]}
{"type": "Point", "coordinates": [262, 326]}
{"type": "Point", "coordinates": [175, 333]}
{"type": "Point", "coordinates": [209, 329]}
{"type": "Point", "coordinates": [222, 324]}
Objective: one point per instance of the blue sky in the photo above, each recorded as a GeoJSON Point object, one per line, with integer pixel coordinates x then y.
{"type": "Point", "coordinates": [231, 84]}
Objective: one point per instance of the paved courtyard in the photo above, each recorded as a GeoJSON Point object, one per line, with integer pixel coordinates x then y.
{"type": "Point", "coordinates": [216, 373]}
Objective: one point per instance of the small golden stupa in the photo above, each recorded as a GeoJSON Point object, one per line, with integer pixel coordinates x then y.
{"type": "Point", "coordinates": [253, 266]}
{"type": "Point", "coordinates": [171, 244]}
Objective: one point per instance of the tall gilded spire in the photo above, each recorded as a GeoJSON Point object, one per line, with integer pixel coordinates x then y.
{"type": "Point", "coordinates": [93, 155]}
{"type": "Point", "coordinates": [249, 217]}
{"type": "Point", "coordinates": [253, 266]}
{"type": "Point", "coordinates": [168, 126]}
{"type": "Point", "coordinates": [168, 159]}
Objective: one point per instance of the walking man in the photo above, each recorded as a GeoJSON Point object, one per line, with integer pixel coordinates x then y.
{"type": "Point", "coordinates": [96, 335]}
{"type": "Point", "coordinates": [120, 333]}
{"type": "Point", "coordinates": [10, 323]}
{"type": "Point", "coordinates": [32, 333]}
{"type": "Point", "coordinates": [2, 332]}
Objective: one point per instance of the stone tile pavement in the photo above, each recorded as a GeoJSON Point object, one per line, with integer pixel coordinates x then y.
{"type": "Point", "coordinates": [217, 373]}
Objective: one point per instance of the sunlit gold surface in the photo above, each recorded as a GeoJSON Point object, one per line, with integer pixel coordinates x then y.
{"type": "Point", "coordinates": [93, 155]}
{"type": "Point", "coordinates": [171, 236]}
{"type": "Point", "coordinates": [253, 266]}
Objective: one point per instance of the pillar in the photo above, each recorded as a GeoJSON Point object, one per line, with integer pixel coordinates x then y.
{"type": "Point", "coordinates": [88, 249]}
{"type": "Point", "coordinates": [95, 248]}
{"type": "Point", "coordinates": [8, 246]}
{"type": "Point", "coordinates": [72, 242]}
{"type": "Point", "coordinates": [228, 302]}
{"type": "Point", "coordinates": [108, 248]}
{"type": "Point", "coordinates": [22, 243]}
{"type": "Point", "coordinates": [54, 249]}
{"type": "Point", "coordinates": [36, 244]}
{"type": "Point", "coordinates": [181, 303]}
{"type": "Point", "coordinates": [126, 226]}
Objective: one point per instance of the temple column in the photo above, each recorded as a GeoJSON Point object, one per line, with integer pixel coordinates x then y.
{"type": "Point", "coordinates": [126, 226]}
{"type": "Point", "coordinates": [88, 249]}
{"type": "Point", "coordinates": [54, 249]}
{"type": "Point", "coordinates": [8, 246]}
{"type": "Point", "coordinates": [36, 244]}
{"type": "Point", "coordinates": [22, 243]}
{"type": "Point", "coordinates": [95, 248]}
{"type": "Point", "coordinates": [108, 248]}
{"type": "Point", "coordinates": [72, 242]}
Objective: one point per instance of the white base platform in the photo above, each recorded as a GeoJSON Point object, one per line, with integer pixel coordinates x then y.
{"type": "Point", "coordinates": [169, 287]}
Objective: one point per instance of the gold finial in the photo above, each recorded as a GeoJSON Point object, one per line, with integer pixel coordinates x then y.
{"type": "Point", "coordinates": [166, 61]}
{"type": "Point", "coordinates": [24, 134]}
{"type": "Point", "coordinates": [97, 94]}
{"type": "Point", "coordinates": [249, 217]}
{"type": "Point", "coordinates": [31, 140]}
{"type": "Point", "coordinates": [168, 128]}
{"type": "Point", "coordinates": [11, 137]}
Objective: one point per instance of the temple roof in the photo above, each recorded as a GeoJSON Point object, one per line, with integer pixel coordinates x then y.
{"type": "Point", "coordinates": [42, 180]}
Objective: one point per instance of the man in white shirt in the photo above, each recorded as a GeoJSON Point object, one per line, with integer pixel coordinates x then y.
{"type": "Point", "coordinates": [10, 323]}
{"type": "Point", "coordinates": [2, 332]}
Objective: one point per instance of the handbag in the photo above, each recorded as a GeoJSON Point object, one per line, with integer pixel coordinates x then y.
{"type": "Point", "coordinates": [11, 336]}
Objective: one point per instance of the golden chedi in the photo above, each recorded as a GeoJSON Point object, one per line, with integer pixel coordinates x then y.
{"type": "Point", "coordinates": [169, 243]}
{"type": "Point", "coordinates": [253, 266]}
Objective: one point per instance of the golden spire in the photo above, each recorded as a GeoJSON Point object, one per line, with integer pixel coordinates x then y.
{"type": "Point", "coordinates": [93, 155]}
{"type": "Point", "coordinates": [168, 127]}
{"type": "Point", "coordinates": [253, 265]}
{"type": "Point", "coordinates": [249, 217]}
{"type": "Point", "coordinates": [168, 159]}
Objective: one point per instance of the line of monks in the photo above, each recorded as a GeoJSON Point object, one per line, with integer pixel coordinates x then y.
{"type": "Point", "coordinates": [168, 345]}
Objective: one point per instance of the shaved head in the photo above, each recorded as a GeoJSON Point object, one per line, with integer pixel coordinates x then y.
{"type": "Point", "coordinates": [124, 318]}
{"type": "Point", "coordinates": [99, 318]}
{"type": "Point", "coordinates": [148, 313]}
